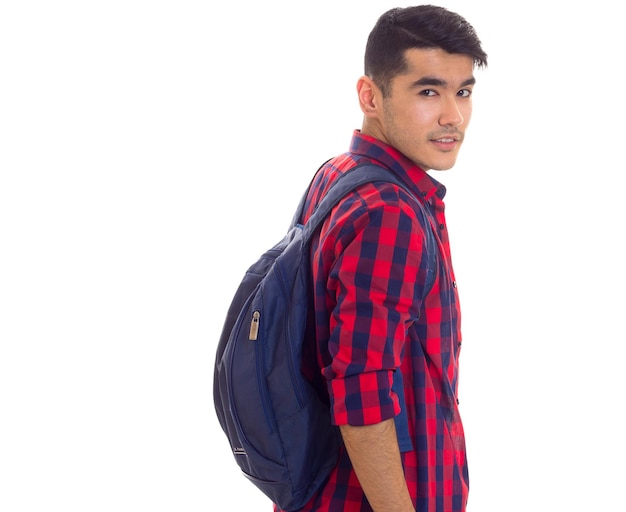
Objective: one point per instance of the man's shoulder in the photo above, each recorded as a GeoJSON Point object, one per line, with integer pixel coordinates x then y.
{"type": "Point", "coordinates": [376, 204]}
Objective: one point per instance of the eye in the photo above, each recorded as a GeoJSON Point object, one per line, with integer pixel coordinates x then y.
{"type": "Point", "coordinates": [428, 92]}
{"type": "Point", "coordinates": [464, 93]}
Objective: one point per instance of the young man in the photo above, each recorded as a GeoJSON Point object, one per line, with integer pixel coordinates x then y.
{"type": "Point", "coordinates": [387, 356]}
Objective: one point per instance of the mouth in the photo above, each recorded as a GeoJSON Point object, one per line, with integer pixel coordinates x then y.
{"type": "Point", "coordinates": [446, 143]}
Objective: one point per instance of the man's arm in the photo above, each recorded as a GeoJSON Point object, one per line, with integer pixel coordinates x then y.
{"type": "Point", "coordinates": [375, 456]}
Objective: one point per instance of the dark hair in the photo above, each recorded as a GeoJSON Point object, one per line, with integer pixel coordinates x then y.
{"type": "Point", "coordinates": [422, 26]}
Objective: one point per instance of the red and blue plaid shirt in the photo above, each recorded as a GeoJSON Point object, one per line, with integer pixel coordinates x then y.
{"type": "Point", "coordinates": [375, 329]}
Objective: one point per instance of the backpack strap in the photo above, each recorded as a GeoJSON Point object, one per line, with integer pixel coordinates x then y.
{"type": "Point", "coordinates": [300, 209]}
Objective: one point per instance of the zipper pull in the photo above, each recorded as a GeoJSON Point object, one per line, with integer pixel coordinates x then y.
{"type": "Point", "coordinates": [254, 326]}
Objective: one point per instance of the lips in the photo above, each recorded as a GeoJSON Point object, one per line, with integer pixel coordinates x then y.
{"type": "Point", "coordinates": [446, 143]}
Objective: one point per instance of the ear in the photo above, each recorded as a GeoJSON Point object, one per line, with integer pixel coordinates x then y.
{"type": "Point", "coordinates": [369, 96]}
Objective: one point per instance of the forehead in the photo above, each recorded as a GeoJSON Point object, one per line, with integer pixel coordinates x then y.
{"type": "Point", "coordinates": [451, 68]}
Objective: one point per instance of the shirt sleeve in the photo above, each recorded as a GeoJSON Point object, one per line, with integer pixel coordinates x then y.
{"type": "Point", "coordinates": [378, 269]}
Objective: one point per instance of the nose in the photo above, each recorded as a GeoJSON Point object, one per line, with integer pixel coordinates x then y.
{"type": "Point", "coordinates": [451, 114]}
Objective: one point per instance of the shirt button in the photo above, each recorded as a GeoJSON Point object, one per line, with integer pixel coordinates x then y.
{"type": "Point", "coordinates": [453, 284]}
{"type": "Point", "coordinates": [442, 226]}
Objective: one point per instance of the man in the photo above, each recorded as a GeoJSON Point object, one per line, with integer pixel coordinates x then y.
{"type": "Point", "coordinates": [386, 355]}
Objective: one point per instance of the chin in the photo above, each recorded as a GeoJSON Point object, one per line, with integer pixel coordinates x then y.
{"type": "Point", "coordinates": [443, 167]}
{"type": "Point", "coordinates": [440, 161]}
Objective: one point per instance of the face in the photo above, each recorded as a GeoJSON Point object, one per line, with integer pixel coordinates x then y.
{"type": "Point", "coordinates": [428, 109]}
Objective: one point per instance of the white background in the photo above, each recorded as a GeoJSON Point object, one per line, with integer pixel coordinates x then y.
{"type": "Point", "coordinates": [150, 151]}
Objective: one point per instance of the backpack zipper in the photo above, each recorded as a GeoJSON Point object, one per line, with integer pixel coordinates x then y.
{"type": "Point", "coordinates": [254, 326]}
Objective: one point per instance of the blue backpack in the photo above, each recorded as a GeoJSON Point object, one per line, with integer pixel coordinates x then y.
{"type": "Point", "coordinates": [279, 429]}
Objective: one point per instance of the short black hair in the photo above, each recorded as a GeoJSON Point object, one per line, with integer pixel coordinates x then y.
{"type": "Point", "coordinates": [422, 26]}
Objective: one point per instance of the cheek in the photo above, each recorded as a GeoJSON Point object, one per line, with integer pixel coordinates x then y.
{"type": "Point", "coordinates": [411, 120]}
{"type": "Point", "coordinates": [419, 120]}
{"type": "Point", "coordinates": [422, 114]}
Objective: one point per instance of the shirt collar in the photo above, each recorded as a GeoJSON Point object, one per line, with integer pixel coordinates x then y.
{"type": "Point", "coordinates": [425, 185]}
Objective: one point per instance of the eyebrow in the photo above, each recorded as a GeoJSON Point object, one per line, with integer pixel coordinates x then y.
{"type": "Point", "coordinates": [432, 81]}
